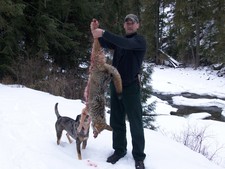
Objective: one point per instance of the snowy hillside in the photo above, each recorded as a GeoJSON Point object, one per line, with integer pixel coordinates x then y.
{"type": "Point", "coordinates": [28, 139]}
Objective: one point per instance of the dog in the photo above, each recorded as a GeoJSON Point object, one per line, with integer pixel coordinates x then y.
{"type": "Point", "coordinates": [70, 126]}
{"type": "Point", "coordinates": [100, 74]}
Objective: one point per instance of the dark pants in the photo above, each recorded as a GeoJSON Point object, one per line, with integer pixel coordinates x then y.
{"type": "Point", "coordinates": [130, 105]}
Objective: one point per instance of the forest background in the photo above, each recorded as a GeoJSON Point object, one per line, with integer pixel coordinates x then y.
{"type": "Point", "coordinates": [45, 44]}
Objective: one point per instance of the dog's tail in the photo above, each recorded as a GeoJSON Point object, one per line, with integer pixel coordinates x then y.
{"type": "Point", "coordinates": [56, 111]}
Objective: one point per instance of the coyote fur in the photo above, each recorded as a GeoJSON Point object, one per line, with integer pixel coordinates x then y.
{"type": "Point", "coordinates": [100, 74]}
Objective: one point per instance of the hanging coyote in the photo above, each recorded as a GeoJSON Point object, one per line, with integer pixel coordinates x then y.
{"type": "Point", "coordinates": [100, 74]}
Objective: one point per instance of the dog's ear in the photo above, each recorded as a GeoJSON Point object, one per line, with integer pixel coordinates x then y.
{"type": "Point", "coordinates": [78, 117]}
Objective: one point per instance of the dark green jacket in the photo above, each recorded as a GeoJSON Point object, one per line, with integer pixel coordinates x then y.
{"type": "Point", "coordinates": [128, 54]}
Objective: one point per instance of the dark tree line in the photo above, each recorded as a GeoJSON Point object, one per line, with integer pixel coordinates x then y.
{"type": "Point", "coordinates": [45, 44]}
{"type": "Point", "coordinates": [190, 31]}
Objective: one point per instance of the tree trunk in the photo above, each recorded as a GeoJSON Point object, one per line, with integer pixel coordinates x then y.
{"type": "Point", "coordinates": [197, 58]}
{"type": "Point", "coordinates": [157, 31]}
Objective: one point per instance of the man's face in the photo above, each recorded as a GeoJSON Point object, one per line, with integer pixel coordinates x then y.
{"type": "Point", "coordinates": [130, 26]}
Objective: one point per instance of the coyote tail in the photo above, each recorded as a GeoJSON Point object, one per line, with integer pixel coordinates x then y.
{"type": "Point", "coordinates": [116, 77]}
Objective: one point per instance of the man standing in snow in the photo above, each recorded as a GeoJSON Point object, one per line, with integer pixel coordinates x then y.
{"type": "Point", "coordinates": [129, 51]}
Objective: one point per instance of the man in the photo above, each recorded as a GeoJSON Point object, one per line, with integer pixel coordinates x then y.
{"type": "Point", "coordinates": [128, 55]}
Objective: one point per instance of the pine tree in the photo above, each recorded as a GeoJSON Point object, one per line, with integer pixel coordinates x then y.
{"type": "Point", "coordinates": [10, 36]}
{"type": "Point", "coordinates": [198, 25]}
{"type": "Point", "coordinates": [149, 27]}
{"type": "Point", "coordinates": [218, 14]}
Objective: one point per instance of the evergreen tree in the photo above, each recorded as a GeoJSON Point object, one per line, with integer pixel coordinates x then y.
{"type": "Point", "coordinates": [149, 27]}
{"type": "Point", "coordinates": [198, 25]}
{"type": "Point", "coordinates": [113, 17]}
{"type": "Point", "coordinates": [218, 20]}
{"type": "Point", "coordinates": [10, 36]}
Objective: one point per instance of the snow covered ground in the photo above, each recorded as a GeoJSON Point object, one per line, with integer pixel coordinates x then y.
{"type": "Point", "coordinates": [28, 138]}
{"type": "Point", "coordinates": [203, 81]}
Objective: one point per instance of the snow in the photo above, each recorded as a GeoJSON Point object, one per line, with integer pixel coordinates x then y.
{"type": "Point", "coordinates": [202, 81]}
{"type": "Point", "coordinates": [28, 138]}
